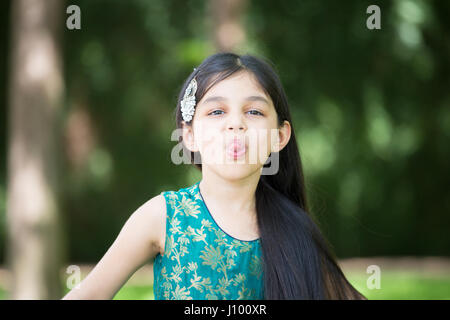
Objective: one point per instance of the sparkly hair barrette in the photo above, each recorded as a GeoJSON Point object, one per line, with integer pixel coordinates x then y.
{"type": "Point", "coordinates": [188, 102]}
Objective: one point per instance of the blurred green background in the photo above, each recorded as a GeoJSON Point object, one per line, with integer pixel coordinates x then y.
{"type": "Point", "coordinates": [371, 109]}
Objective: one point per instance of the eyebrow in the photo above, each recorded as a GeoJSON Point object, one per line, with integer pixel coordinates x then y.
{"type": "Point", "coordinates": [250, 98]}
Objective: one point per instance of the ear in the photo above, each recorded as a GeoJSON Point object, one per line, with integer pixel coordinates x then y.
{"type": "Point", "coordinates": [188, 137]}
{"type": "Point", "coordinates": [284, 134]}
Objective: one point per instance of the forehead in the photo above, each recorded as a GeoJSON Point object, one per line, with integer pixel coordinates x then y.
{"type": "Point", "coordinates": [236, 87]}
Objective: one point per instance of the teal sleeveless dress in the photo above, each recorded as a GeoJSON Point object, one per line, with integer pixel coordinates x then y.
{"type": "Point", "coordinates": [200, 260]}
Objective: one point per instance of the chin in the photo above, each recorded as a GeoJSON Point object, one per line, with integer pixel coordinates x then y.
{"type": "Point", "coordinates": [236, 171]}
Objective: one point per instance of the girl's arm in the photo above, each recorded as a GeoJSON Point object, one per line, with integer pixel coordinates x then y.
{"type": "Point", "coordinates": [137, 243]}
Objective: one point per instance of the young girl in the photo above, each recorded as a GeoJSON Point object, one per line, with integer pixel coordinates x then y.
{"type": "Point", "coordinates": [243, 231]}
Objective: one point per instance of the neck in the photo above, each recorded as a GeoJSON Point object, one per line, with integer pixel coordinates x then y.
{"type": "Point", "coordinates": [237, 196]}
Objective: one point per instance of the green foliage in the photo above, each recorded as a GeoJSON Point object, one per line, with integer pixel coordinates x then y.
{"type": "Point", "coordinates": [371, 111]}
{"type": "Point", "coordinates": [126, 66]}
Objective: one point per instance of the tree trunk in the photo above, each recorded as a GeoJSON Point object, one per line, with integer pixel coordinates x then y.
{"type": "Point", "coordinates": [226, 19]}
{"type": "Point", "coordinates": [34, 248]}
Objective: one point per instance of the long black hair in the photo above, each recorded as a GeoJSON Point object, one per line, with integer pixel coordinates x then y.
{"type": "Point", "coordinates": [296, 257]}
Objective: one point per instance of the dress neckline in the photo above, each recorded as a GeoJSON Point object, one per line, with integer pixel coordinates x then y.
{"type": "Point", "coordinates": [203, 203]}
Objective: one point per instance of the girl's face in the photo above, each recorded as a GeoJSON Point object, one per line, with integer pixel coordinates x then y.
{"type": "Point", "coordinates": [235, 127]}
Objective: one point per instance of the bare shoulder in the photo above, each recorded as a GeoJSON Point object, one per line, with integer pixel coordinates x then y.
{"type": "Point", "coordinates": [155, 205]}
{"type": "Point", "coordinates": [153, 215]}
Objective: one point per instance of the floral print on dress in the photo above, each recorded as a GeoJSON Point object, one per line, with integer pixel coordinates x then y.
{"type": "Point", "coordinates": [201, 261]}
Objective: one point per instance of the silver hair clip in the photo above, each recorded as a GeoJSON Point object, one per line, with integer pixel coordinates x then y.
{"type": "Point", "coordinates": [188, 102]}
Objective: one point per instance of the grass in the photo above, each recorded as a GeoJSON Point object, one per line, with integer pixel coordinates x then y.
{"type": "Point", "coordinates": [401, 285]}
{"type": "Point", "coordinates": [130, 292]}
{"type": "Point", "coordinates": [135, 293]}
{"type": "Point", "coordinates": [393, 285]}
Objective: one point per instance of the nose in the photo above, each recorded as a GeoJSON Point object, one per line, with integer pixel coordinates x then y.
{"type": "Point", "coordinates": [231, 128]}
{"type": "Point", "coordinates": [236, 123]}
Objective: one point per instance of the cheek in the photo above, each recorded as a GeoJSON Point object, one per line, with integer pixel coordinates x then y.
{"type": "Point", "coordinates": [261, 140]}
{"type": "Point", "coordinates": [207, 138]}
